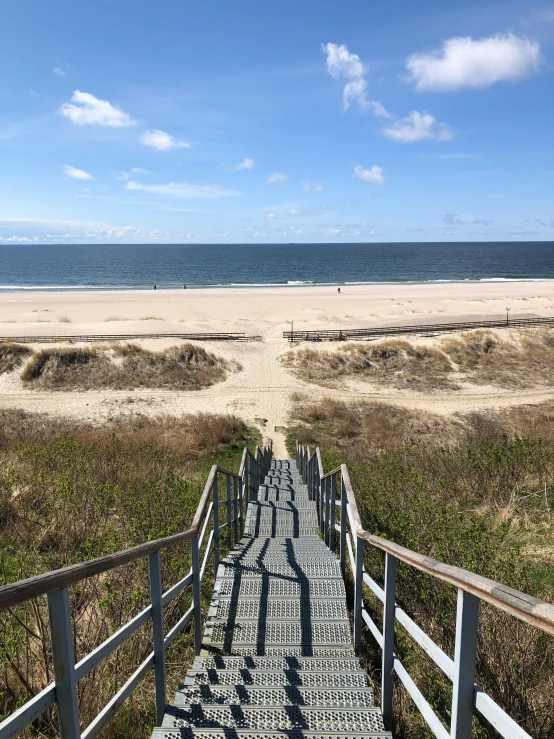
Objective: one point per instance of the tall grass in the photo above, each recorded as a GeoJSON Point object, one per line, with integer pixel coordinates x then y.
{"type": "Point", "coordinates": [471, 492]}
{"type": "Point", "coordinates": [125, 367]}
{"type": "Point", "coordinates": [70, 492]}
{"type": "Point", "coordinates": [12, 355]}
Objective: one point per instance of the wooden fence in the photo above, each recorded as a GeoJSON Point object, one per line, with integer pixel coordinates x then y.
{"type": "Point", "coordinates": [430, 329]}
{"type": "Point", "coordinates": [127, 337]}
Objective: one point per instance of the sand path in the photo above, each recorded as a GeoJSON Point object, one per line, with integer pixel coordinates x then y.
{"type": "Point", "coordinates": [261, 392]}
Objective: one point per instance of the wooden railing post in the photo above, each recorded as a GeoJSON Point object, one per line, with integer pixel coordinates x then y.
{"type": "Point", "coordinates": [321, 509]}
{"type": "Point", "coordinates": [215, 498]}
{"type": "Point", "coordinates": [465, 652]}
{"type": "Point", "coordinates": [157, 633]}
{"type": "Point", "coordinates": [387, 661]}
{"type": "Point", "coordinates": [63, 658]}
{"type": "Point", "coordinates": [196, 597]}
{"type": "Point", "coordinates": [343, 520]}
{"type": "Point", "coordinates": [358, 582]}
{"type": "Point", "coordinates": [333, 509]}
{"type": "Point", "coordinates": [229, 512]}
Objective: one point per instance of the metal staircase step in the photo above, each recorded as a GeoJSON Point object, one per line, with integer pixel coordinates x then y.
{"type": "Point", "coordinates": [277, 657]}
{"type": "Point", "coordinates": [294, 609]}
{"type": "Point", "coordinates": [308, 678]}
{"type": "Point", "coordinates": [191, 733]}
{"type": "Point", "coordinates": [314, 664]}
{"type": "Point", "coordinates": [288, 695]}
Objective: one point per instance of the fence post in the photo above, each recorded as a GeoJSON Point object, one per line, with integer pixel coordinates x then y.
{"type": "Point", "coordinates": [63, 658]}
{"type": "Point", "coordinates": [229, 519]}
{"type": "Point", "coordinates": [215, 498]}
{"type": "Point", "coordinates": [196, 597]}
{"type": "Point", "coordinates": [387, 661]}
{"type": "Point", "coordinates": [343, 518]}
{"type": "Point", "coordinates": [358, 592]}
{"type": "Point", "coordinates": [333, 512]}
{"type": "Point", "coordinates": [236, 509]}
{"type": "Point", "coordinates": [321, 508]}
{"type": "Point", "coordinates": [465, 652]}
{"type": "Point", "coordinates": [157, 633]}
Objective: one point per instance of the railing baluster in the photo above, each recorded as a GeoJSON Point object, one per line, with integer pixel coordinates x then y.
{"type": "Point", "coordinates": [333, 512]}
{"type": "Point", "coordinates": [321, 507]}
{"type": "Point", "coordinates": [467, 620]}
{"type": "Point", "coordinates": [154, 571]}
{"type": "Point", "coordinates": [229, 512]}
{"type": "Point", "coordinates": [236, 509]}
{"type": "Point", "coordinates": [358, 592]}
{"type": "Point", "coordinates": [343, 521]}
{"type": "Point", "coordinates": [196, 598]}
{"type": "Point", "coordinates": [388, 640]}
{"type": "Point", "coordinates": [215, 494]}
{"type": "Point", "coordinates": [63, 658]}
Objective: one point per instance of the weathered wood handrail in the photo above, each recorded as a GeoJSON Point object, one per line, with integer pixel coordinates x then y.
{"type": "Point", "coordinates": [239, 490]}
{"type": "Point", "coordinates": [43, 339]}
{"type": "Point", "coordinates": [467, 696]}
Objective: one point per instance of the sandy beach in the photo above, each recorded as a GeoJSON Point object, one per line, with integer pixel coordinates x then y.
{"type": "Point", "coordinates": [261, 392]}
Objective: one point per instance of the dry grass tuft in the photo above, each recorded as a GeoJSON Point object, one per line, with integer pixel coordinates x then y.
{"type": "Point", "coordinates": [12, 355]}
{"type": "Point", "coordinates": [64, 319]}
{"type": "Point", "coordinates": [394, 363]}
{"type": "Point", "coordinates": [125, 367]}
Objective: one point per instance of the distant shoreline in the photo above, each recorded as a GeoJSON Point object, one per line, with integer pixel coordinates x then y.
{"type": "Point", "coordinates": [264, 285]}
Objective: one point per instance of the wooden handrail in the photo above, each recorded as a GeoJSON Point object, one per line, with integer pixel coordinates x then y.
{"type": "Point", "coordinates": [533, 611]}
{"type": "Point", "coordinates": [23, 590]}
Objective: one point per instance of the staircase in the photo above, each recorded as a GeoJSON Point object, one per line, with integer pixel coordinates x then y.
{"type": "Point", "coordinates": [277, 657]}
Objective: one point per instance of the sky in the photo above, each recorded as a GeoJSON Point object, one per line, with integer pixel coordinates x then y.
{"type": "Point", "coordinates": [249, 121]}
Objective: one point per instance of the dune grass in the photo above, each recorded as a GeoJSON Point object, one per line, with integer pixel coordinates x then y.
{"type": "Point", "coordinates": [478, 357]}
{"type": "Point", "coordinates": [394, 363]}
{"type": "Point", "coordinates": [12, 355]}
{"type": "Point", "coordinates": [476, 491]}
{"type": "Point", "coordinates": [125, 367]}
{"type": "Point", "coordinates": [70, 492]}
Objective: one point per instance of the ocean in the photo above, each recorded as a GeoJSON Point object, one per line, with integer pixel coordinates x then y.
{"type": "Point", "coordinates": [140, 266]}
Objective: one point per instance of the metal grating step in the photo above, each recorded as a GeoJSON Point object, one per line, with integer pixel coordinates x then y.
{"type": "Point", "coordinates": [275, 587]}
{"type": "Point", "coordinates": [189, 733]}
{"type": "Point", "coordinates": [219, 662]}
{"type": "Point", "coordinates": [282, 569]}
{"type": "Point", "coordinates": [274, 717]}
{"type": "Point", "coordinates": [307, 678]}
{"type": "Point", "coordinates": [302, 632]}
{"type": "Point", "coordinates": [328, 610]}
{"type": "Point", "coordinates": [289, 650]}
{"type": "Point", "coordinates": [290, 695]}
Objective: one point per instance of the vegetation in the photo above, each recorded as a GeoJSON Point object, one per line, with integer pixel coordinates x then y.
{"type": "Point", "coordinates": [476, 491]}
{"type": "Point", "coordinates": [125, 367]}
{"type": "Point", "coordinates": [12, 355]}
{"type": "Point", "coordinates": [479, 357]}
{"type": "Point", "coordinates": [70, 492]}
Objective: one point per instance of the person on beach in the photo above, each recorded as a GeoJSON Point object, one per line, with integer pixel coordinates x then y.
{"type": "Point", "coordinates": [184, 287]}
{"type": "Point", "coordinates": [338, 290]}
{"type": "Point", "coordinates": [155, 287]}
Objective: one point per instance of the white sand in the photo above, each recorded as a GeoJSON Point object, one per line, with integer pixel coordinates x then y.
{"type": "Point", "coordinates": [263, 388]}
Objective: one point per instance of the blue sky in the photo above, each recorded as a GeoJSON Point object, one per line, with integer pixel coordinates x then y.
{"type": "Point", "coordinates": [270, 122]}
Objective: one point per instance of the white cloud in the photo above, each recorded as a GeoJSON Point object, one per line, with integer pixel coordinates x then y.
{"type": "Point", "coordinates": [122, 176]}
{"type": "Point", "coordinates": [85, 109]}
{"type": "Point", "coordinates": [162, 141]}
{"type": "Point", "coordinates": [379, 109]}
{"type": "Point", "coordinates": [341, 63]}
{"type": "Point", "coordinates": [373, 176]}
{"type": "Point", "coordinates": [139, 170]}
{"type": "Point", "coordinates": [454, 220]}
{"type": "Point", "coordinates": [246, 164]}
{"type": "Point", "coordinates": [466, 62]}
{"type": "Point", "coordinates": [417, 127]}
{"type": "Point", "coordinates": [308, 187]}
{"type": "Point", "coordinates": [58, 71]}
{"type": "Point", "coordinates": [276, 177]}
{"type": "Point", "coordinates": [76, 174]}
{"type": "Point", "coordinates": [270, 216]}
{"type": "Point", "coordinates": [182, 190]}
{"type": "Point", "coordinates": [354, 92]}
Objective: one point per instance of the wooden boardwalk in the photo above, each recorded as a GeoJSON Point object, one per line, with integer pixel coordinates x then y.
{"type": "Point", "coordinates": [277, 655]}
